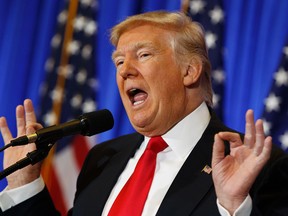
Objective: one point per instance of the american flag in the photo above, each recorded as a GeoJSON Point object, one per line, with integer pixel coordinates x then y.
{"type": "Point", "coordinates": [68, 91]}
{"type": "Point", "coordinates": [211, 16]}
{"type": "Point", "coordinates": [275, 115]}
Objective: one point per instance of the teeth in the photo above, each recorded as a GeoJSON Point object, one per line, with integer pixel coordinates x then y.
{"type": "Point", "coordinates": [132, 90]}
{"type": "Point", "coordinates": [138, 102]}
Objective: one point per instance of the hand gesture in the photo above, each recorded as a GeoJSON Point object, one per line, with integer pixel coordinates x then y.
{"type": "Point", "coordinates": [26, 124]}
{"type": "Point", "coordinates": [234, 174]}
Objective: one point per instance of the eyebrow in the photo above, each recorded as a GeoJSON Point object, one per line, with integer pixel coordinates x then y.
{"type": "Point", "coordinates": [134, 47]}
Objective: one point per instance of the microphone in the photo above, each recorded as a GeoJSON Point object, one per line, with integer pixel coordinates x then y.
{"type": "Point", "coordinates": [87, 124]}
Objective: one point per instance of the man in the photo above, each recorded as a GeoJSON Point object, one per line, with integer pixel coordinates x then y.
{"type": "Point", "coordinates": [163, 76]}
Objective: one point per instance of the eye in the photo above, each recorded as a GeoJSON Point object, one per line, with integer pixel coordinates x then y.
{"type": "Point", "coordinates": [144, 55]}
{"type": "Point", "coordinates": [118, 62]}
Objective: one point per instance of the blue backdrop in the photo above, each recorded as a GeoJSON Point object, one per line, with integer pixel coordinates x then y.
{"type": "Point", "coordinates": [255, 32]}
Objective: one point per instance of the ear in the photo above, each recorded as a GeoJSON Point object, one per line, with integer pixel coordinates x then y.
{"type": "Point", "coordinates": [193, 72]}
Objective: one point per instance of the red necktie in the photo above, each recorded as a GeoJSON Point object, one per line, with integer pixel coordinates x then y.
{"type": "Point", "coordinates": [132, 197]}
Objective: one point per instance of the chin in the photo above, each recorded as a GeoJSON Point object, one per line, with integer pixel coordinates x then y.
{"type": "Point", "coordinates": [146, 129]}
{"type": "Point", "coordinates": [138, 125]}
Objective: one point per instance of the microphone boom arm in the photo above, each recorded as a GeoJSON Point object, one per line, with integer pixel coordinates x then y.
{"type": "Point", "coordinates": [46, 137]}
{"type": "Point", "coordinates": [43, 148]}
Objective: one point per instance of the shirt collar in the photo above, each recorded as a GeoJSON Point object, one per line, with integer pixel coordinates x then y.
{"type": "Point", "coordinates": [183, 137]}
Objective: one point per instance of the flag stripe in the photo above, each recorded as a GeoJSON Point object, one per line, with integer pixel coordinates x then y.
{"type": "Point", "coordinates": [56, 192]}
{"type": "Point", "coordinates": [80, 150]}
{"type": "Point", "coordinates": [62, 162]}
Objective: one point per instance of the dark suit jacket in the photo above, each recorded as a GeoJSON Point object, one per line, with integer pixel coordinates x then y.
{"type": "Point", "coordinates": [191, 193]}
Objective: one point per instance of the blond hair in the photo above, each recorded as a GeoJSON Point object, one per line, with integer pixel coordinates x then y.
{"type": "Point", "coordinates": [189, 40]}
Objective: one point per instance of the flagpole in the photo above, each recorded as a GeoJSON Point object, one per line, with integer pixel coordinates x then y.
{"type": "Point", "coordinates": [60, 85]}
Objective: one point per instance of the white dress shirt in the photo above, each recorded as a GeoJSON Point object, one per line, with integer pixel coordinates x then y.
{"type": "Point", "coordinates": [181, 140]}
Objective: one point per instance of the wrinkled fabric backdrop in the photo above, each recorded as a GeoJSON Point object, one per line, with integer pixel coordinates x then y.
{"type": "Point", "coordinates": [255, 32]}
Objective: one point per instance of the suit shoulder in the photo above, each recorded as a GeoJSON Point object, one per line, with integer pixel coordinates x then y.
{"type": "Point", "coordinates": [118, 143]}
{"type": "Point", "coordinates": [100, 155]}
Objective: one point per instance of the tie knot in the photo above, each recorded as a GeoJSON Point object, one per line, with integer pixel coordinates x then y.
{"type": "Point", "coordinates": [156, 144]}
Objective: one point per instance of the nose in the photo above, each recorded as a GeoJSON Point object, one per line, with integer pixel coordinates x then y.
{"type": "Point", "coordinates": [128, 69]}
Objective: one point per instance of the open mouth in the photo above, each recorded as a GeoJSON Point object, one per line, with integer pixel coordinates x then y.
{"type": "Point", "coordinates": [137, 96]}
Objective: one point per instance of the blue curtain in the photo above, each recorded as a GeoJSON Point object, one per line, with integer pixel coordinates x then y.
{"type": "Point", "coordinates": [255, 33]}
{"type": "Point", "coordinates": [26, 29]}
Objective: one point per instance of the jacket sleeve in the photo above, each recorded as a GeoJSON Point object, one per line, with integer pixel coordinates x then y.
{"type": "Point", "coordinates": [271, 193]}
{"type": "Point", "coordinates": [40, 204]}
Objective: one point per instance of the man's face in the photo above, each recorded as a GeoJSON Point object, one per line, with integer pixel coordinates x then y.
{"type": "Point", "coordinates": [150, 81]}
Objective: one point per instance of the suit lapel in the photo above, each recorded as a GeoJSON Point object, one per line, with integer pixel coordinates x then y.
{"type": "Point", "coordinates": [187, 190]}
{"type": "Point", "coordinates": [192, 183]}
{"type": "Point", "coordinates": [99, 190]}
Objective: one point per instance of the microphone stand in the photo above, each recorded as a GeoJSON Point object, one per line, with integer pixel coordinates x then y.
{"type": "Point", "coordinates": [43, 148]}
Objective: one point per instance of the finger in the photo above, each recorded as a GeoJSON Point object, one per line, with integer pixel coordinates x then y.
{"type": "Point", "coordinates": [233, 138]}
{"type": "Point", "coordinates": [33, 127]}
{"type": "Point", "coordinates": [218, 153]}
{"type": "Point", "coordinates": [249, 138]}
{"type": "Point", "coordinates": [30, 147]}
{"type": "Point", "coordinates": [259, 143]}
{"type": "Point", "coordinates": [20, 121]}
{"type": "Point", "coordinates": [5, 131]}
{"type": "Point", "coordinates": [266, 152]}
{"type": "Point", "coordinates": [30, 115]}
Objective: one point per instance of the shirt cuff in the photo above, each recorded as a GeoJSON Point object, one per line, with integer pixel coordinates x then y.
{"type": "Point", "coordinates": [243, 210]}
{"type": "Point", "coordinates": [12, 197]}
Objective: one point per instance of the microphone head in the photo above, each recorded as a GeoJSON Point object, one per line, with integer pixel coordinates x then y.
{"type": "Point", "coordinates": [96, 122]}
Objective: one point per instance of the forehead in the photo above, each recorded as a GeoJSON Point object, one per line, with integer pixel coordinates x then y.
{"type": "Point", "coordinates": [144, 36]}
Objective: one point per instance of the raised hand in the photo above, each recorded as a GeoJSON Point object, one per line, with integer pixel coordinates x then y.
{"type": "Point", "coordinates": [234, 174]}
{"type": "Point", "coordinates": [26, 124]}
